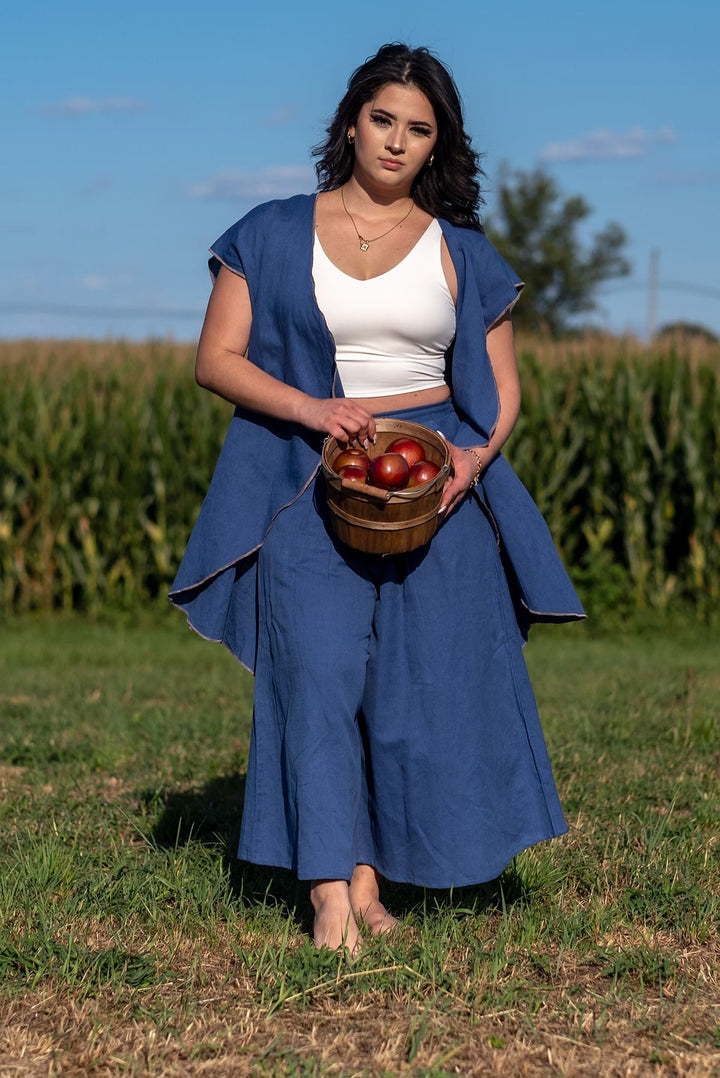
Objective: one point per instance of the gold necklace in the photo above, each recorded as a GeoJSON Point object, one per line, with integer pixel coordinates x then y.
{"type": "Point", "coordinates": [365, 243]}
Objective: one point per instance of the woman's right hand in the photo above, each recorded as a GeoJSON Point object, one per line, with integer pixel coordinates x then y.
{"type": "Point", "coordinates": [340, 417]}
{"type": "Point", "coordinates": [223, 367]}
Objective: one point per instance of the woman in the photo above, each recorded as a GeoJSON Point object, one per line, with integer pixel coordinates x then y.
{"type": "Point", "coordinates": [394, 728]}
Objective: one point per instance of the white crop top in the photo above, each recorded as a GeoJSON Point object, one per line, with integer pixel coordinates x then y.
{"type": "Point", "coordinates": [391, 332]}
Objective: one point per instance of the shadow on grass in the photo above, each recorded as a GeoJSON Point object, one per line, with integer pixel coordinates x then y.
{"type": "Point", "coordinates": [211, 816]}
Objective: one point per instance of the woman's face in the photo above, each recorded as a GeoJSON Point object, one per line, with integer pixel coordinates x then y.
{"type": "Point", "coordinates": [394, 135]}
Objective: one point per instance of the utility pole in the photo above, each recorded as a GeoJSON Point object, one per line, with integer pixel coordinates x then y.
{"type": "Point", "coordinates": [652, 293]}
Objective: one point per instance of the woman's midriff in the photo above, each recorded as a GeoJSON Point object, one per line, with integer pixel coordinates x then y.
{"type": "Point", "coordinates": [418, 398]}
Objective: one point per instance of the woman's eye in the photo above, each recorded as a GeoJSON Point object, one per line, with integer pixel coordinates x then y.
{"type": "Point", "coordinates": [382, 121]}
{"type": "Point", "coordinates": [424, 131]}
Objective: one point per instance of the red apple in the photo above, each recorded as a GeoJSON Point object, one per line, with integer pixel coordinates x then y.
{"type": "Point", "coordinates": [354, 472]}
{"type": "Point", "coordinates": [422, 472]}
{"type": "Point", "coordinates": [357, 457]}
{"type": "Point", "coordinates": [408, 448]}
{"type": "Point", "coordinates": [389, 471]}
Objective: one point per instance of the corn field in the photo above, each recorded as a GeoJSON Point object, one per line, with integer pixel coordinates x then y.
{"type": "Point", "coordinates": [106, 451]}
{"type": "Point", "coordinates": [104, 460]}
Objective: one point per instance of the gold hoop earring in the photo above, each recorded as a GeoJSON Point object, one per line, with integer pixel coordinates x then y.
{"type": "Point", "coordinates": [350, 138]}
{"type": "Point", "coordinates": [430, 160]}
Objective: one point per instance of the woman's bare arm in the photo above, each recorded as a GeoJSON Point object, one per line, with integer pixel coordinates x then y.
{"type": "Point", "coordinates": [222, 367]}
{"type": "Point", "coordinates": [501, 349]}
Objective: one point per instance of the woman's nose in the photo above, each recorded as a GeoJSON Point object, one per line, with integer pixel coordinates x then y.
{"type": "Point", "coordinates": [395, 141]}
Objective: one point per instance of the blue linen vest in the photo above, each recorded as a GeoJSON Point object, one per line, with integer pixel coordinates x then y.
{"type": "Point", "coordinates": [265, 463]}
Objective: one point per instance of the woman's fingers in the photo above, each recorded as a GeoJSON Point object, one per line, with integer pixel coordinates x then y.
{"type": "Point", "coordinates": [344, 419]}
{"type": "Point", "coordinates": [459, 481]}
{"type": "Point", "coordinates": [453, 491]}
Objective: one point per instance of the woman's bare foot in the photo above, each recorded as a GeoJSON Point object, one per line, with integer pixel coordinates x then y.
{"type": "Point", "coordinates": [335, 926]}
{"type": "Point", "coordinates": [365, 900]}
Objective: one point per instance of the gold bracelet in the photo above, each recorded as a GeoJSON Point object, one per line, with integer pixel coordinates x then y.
{"type": "Point", "coordinates": [478, 469]}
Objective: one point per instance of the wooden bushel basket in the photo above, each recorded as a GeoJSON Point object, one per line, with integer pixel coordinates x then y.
{"type": "Point", "coordinates": [377, 521]}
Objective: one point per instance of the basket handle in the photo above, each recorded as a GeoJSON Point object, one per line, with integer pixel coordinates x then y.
{"type": "Point", "coordinates": [338, 483]}
{"type": "Point", "coordinates": [409, 494]}
{"type": "Point", "coordinates": [373, 492]}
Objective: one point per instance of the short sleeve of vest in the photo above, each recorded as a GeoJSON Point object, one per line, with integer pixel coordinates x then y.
{"type": "Point", "coordinates": [500, 286]}
{"type": "Point", "coordinates": [226, 251]}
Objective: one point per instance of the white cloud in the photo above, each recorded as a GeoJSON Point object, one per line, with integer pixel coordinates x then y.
{"type": "Point", "coordinates": [85, 106]}
{"type": "Point", "coordinates": [282, 115]}
{"type": "Point", "coordinates": [98, 282]}
{"type": "Point", "coordinates": [604, 144]}
{"type": "Point", "coordinates": [95, 282]}
{"type": "Point", "coordinates": [261, 183]}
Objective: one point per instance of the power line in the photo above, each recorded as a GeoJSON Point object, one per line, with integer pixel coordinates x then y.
{"type": "Point", "coordinates": [663, 286]}
{"type": "Point", "coordinates": [99, 312]}
{"type": "Point", "coordinates": [82, 311]}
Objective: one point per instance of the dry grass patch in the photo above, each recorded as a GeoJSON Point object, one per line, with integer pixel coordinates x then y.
{"type": "Point", "coordinates": [572, 1027]}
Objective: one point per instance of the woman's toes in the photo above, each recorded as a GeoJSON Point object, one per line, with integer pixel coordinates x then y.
{"type": "Point", "coordinates": [336, 930]}
{"type": "Point", "coordinates": [376, 917]}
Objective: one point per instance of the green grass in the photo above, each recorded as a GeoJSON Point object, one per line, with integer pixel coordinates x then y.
{"type": "Point", "coordinates": [138, 945]}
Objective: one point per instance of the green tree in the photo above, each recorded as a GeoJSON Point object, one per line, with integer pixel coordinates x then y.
{"type": "Point", "coordinates": [687, 329]}
{"type": "Point", "coordinates": [536, 228]}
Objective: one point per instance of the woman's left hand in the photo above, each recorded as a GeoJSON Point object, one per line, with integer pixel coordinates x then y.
{"type": "Point", "coordinates": [501, 351]}
{"type": "Point", "coordinates": [462, 472]}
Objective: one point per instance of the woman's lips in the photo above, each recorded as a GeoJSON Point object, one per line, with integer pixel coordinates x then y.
{"type": "Point", "coordinates": [392, 165]}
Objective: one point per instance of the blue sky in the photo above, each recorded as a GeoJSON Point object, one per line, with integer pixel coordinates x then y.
{"type": "Point", "coordinates": [135, 133]}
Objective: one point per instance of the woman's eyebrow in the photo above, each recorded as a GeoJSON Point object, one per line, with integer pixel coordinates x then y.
{"type": "Point", "coordinates": [392, 116]}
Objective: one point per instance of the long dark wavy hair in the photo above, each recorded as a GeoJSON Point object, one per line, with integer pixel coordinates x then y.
{"type": "Point", "coordinates": [448, 188]}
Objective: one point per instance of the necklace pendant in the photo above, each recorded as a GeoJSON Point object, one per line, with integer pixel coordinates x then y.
{"type": "Point", "coordinates": [364, 244]}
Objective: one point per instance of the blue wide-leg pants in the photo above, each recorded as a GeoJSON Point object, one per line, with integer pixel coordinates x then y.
{"type": "Point", "coordinates": [394, 723]}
